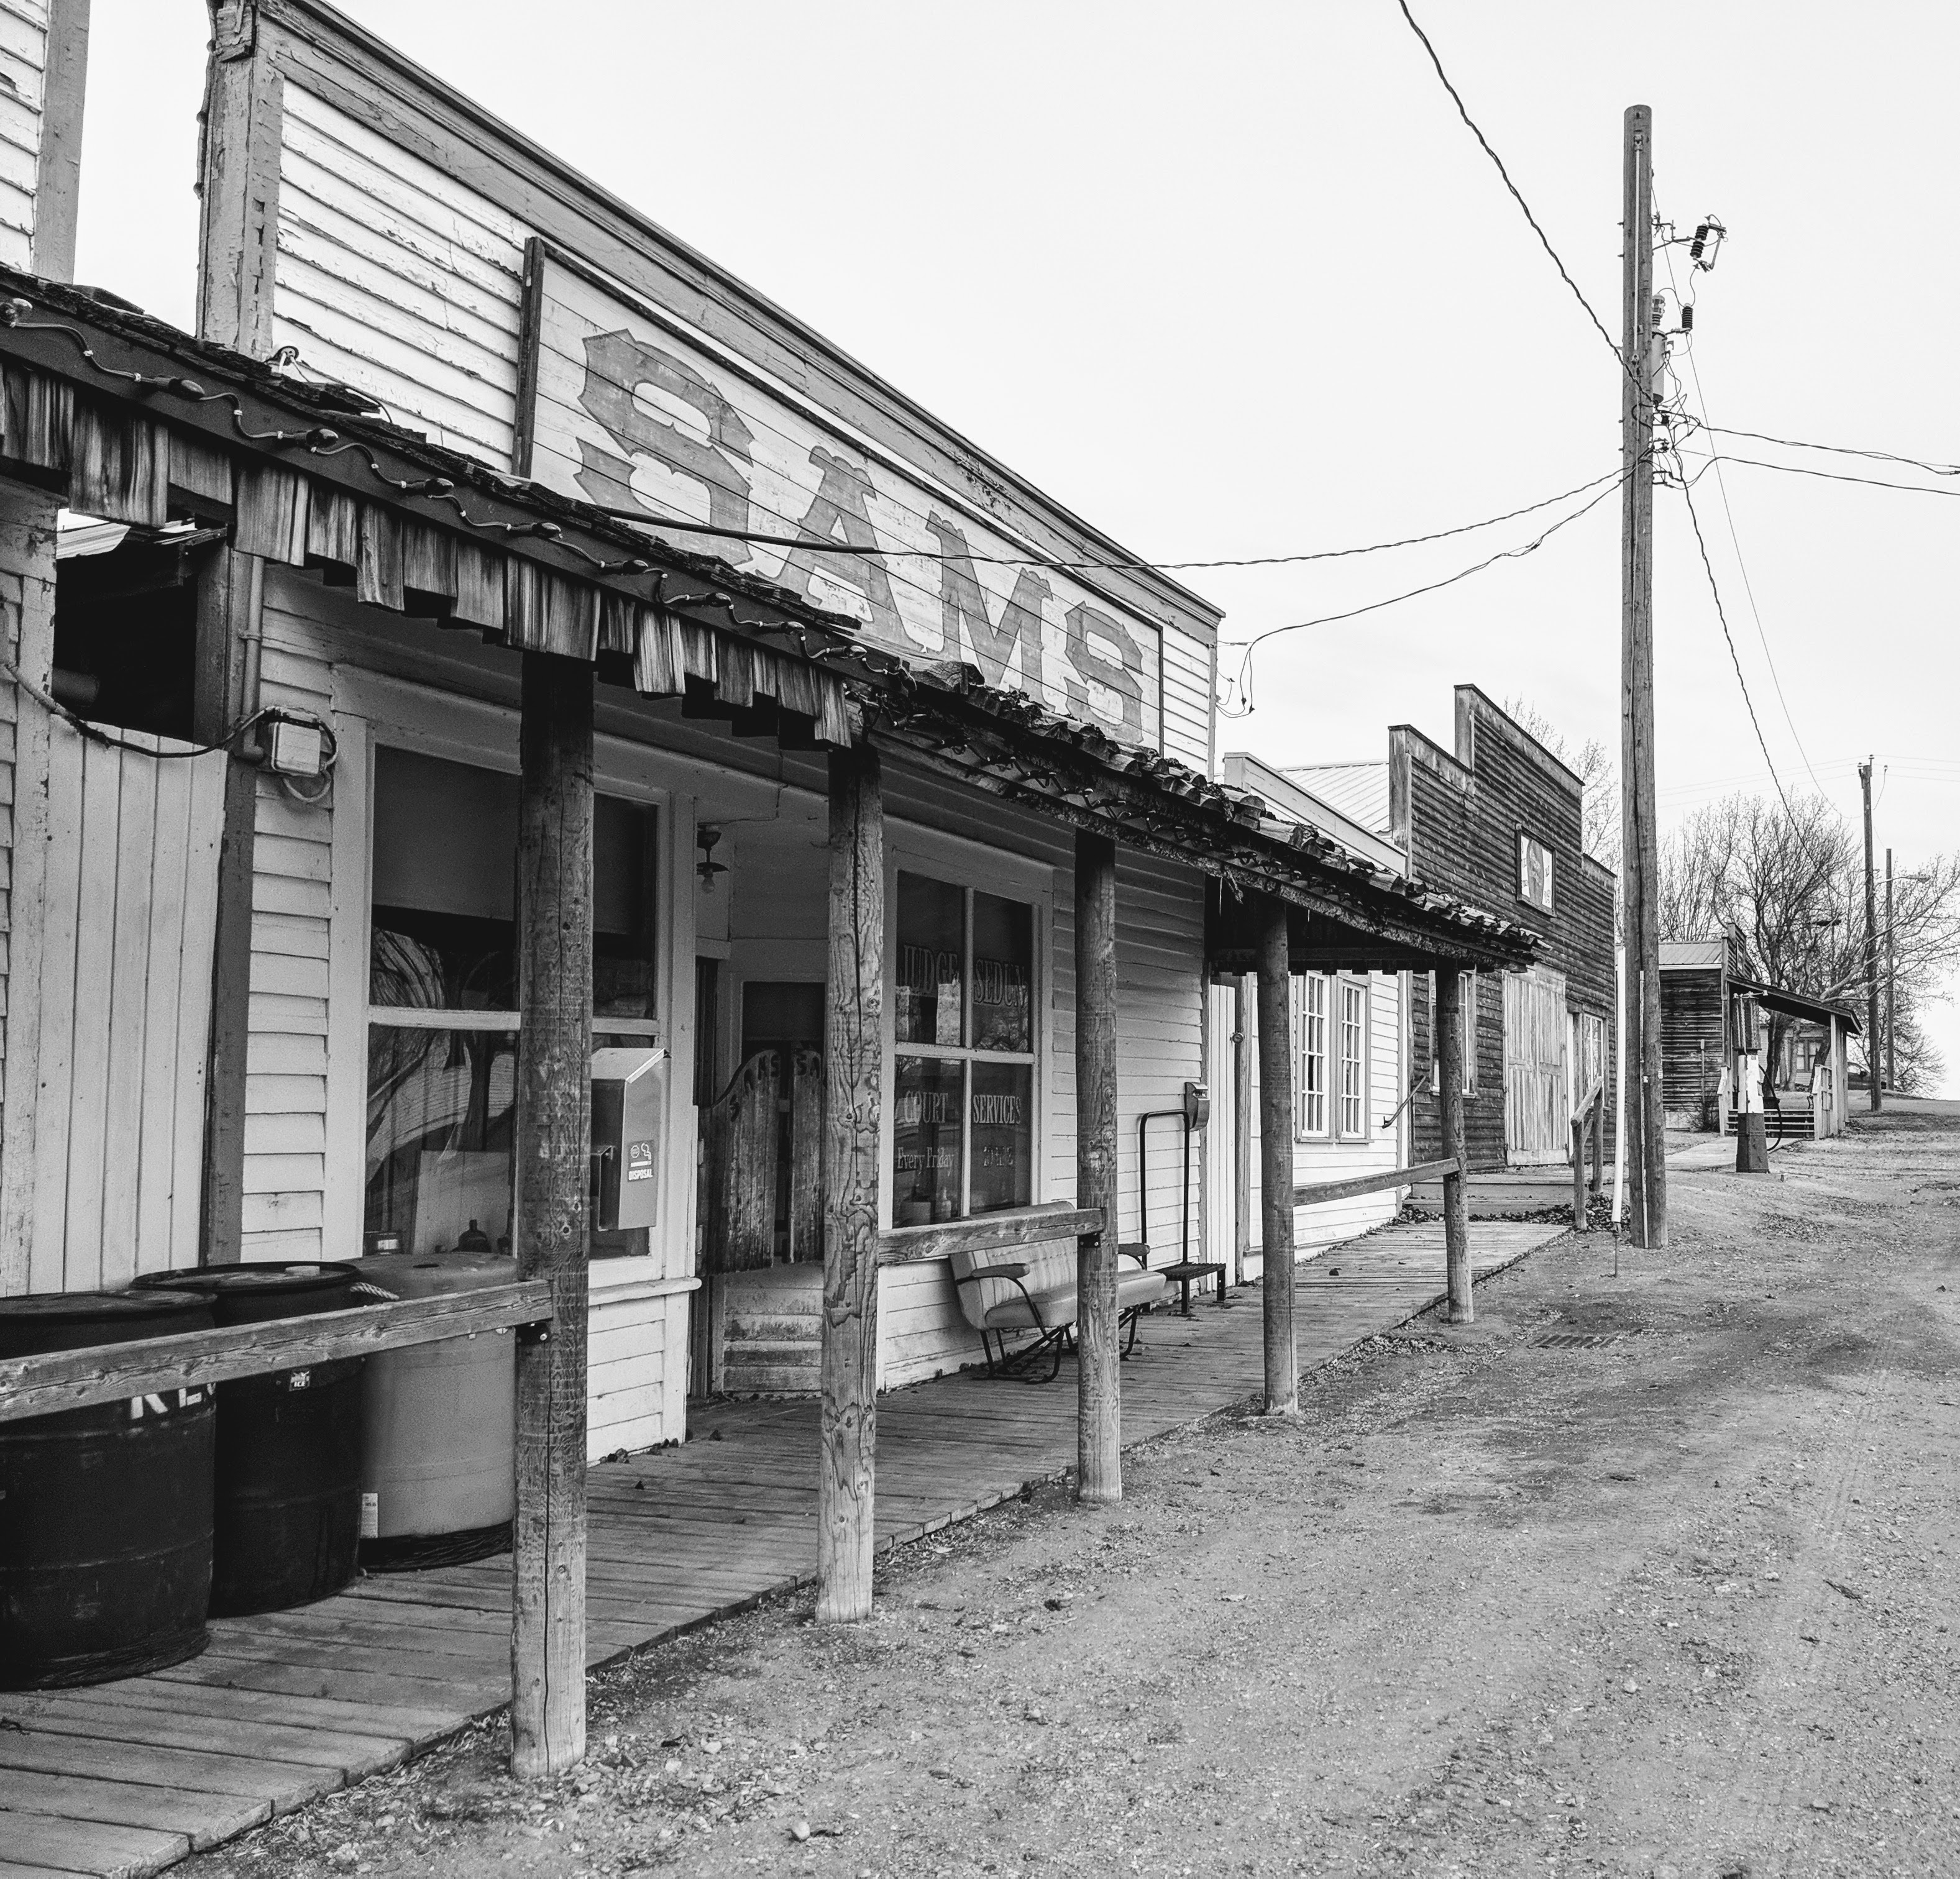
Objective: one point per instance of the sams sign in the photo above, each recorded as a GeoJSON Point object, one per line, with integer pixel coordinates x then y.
{"type": "Point", "coordinates": [627, 411]}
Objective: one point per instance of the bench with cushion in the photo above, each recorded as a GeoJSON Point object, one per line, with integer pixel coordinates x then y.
{"type": "Point", "coordinates": [1036, 1293]}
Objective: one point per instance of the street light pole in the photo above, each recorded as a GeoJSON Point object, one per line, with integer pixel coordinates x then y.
{"type": "Point", "coordinates": [1892, 986]}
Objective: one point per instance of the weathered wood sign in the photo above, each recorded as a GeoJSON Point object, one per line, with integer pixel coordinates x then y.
{"type": "Point", "coordinates": [623, 406]}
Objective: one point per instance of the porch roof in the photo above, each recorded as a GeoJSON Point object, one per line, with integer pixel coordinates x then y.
{"type": "Point", "coordinates": [136, 421]}
{"type": "Point", "coordinates": [1798, 1004]}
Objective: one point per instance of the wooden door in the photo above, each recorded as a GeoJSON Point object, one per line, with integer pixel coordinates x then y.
{"type": "Point", "coordinates": [1536, 1087]}
{"type": "Point", "coordinates": [128, 924]}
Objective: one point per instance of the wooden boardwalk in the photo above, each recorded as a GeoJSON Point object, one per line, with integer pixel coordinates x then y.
{"type": "Point", "coordinates": [126, 1778]}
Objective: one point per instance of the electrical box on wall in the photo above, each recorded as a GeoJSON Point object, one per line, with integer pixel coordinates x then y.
{"type": "Point", "coordinates": [629, 1110]}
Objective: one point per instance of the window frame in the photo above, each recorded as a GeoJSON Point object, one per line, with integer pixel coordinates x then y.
{"type": "Point", "coordinates": [1305, 1129]}
{"type": "Point", "coordinates": [1528, 845]}
{"type": "Point", "coordinates": [1347, 987]}
{"type": "Point", "coordinates": [948, 870]}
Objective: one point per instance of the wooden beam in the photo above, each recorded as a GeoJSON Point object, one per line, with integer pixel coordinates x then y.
{"type": "Point", "coordinates": [57, 169]}
{"type": "Point", "coordinates": [238, 183]}
{"type": "Point", "coordinates": [1448, 1047]}
{"type": "Point", "coordinates": [60, 1380]}
{"type": "Point", "coordinates": [231, 595]}
{"type": "Point", "coordinates": [995, 1233]}
{"type": "Point", "coordinates": [1579, 1220]}
{"type": "Point", "coordinates": [1276, 1158]}
{"type": "Point", "coordinates": [554, 1138]}
{"type": "Point", "coordinates": [1242, 1006]}
{"type": "Point", "coordinates": [1098, 1447]}
{"type": "Point", "coordinates": [1315, 1193]}
{"type": "Point", "coordinates": [853, 1076]}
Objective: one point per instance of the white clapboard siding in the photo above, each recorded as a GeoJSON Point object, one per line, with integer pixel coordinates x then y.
{"type": "Point", "coordinates": [286, 1052]}
{"type": "Point", "coordinates": [126, 1008]}
{"type": "Point", "coordinates": [24, 50]}
{"type": "Point", "coordinates": [636, 1358]}
{"type": "Point", "coordinates": [398, 279]}
{"type": "Point", "coordinates": [1160, 1027]}
{"type": "Point", "coordinates": [1317, 1228]}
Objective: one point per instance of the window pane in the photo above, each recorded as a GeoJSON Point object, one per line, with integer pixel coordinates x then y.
{"type": "Point", "coordinates": [1003, 1134]}
{"type": "Point", "coordinates": [932, 957]}
{"type": "Point", "coordinates": [625, 869]}
{"type": "Point", "coordinates": [1004, 961]}
{"type": "Point", "coordinates": [927, 1176]}
{"type": "Point", "coordinates": [441, 1108]}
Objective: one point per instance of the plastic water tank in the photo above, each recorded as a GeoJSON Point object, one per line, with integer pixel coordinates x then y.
{"type": "Point", "coordinates": [436, 1482]}
{"type": "Point", "coordinates": [287, 1509]}
{"type": "Point", "coordinates": [105, 1513]}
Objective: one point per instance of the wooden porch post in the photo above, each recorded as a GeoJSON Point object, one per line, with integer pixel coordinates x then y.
{"type": "Point", "coordinates": [1578, 1172]}
{"type": "Point", "coordinates": [554, 1153]}
{"type": "Point", "coordinates": [1276, 1159]}
{"type": "Point", "coordinates": [1456, 1201]}
{"type": "Point", "coordinates": [853, 1061]}
{"type": "Point", "coordinates": [231, 592]}
{"type": "Point", "coordinates": [1099, 1462]}
{"type": "Point", "coordinates": [1242, 1002]}
{"type": "Point", "coordinates": [1599, 1138]}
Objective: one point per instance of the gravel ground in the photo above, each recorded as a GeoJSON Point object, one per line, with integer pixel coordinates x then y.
{"type": "Point", "coordinates": [1648, 1575]}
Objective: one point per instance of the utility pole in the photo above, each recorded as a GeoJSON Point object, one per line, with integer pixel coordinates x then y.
{"type": "Point", "coordinates": [1891, 985]}
{"type": "Point", "coordinates": [1872, 1062]}
{"type": "Point", "coordinates": [1646, 1162]}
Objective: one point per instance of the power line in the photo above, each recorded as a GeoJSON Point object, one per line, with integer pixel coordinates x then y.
{"type": "Point", "coordinates": [1721, 614]}
{"type": "Point", "coordinates": [1735, 542]}
{"type": "Point", "coordinates": [677, 526]}
{"type": "Point", "coordinates": [1828, 476]}
{"type": "Point", "coordinates": [1544, 241]}
{"type": "Point", "coordinates": [1449, 580]}
{"type": "Point", "coordinates": [1841, 450]}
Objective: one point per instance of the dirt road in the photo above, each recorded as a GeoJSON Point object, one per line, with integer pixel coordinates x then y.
{"type": "Point", "coordinates": [1651, 1576]}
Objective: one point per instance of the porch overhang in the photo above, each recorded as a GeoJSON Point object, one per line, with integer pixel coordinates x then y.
{"type": "Point", "coordinates": [132, 421]}
{"type": "Point", "coordinates": [1797, 1005]}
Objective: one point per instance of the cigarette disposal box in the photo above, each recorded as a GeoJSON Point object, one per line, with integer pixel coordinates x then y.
{"type": "Point", "coordinates": [629, 1113]}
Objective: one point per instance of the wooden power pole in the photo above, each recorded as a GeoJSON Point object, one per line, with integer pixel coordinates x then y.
{"type": "Point", "coordinates": [1871, 1059]}
{"type": "Point", "coordinates": [1646, 1148]}
{"type": "Point", "coordinates": [1891, 985]}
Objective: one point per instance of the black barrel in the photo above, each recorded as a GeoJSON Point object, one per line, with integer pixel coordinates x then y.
{"type": "Point", "coordinates": [288, 1481]}
{"type": "Point", "coordinates": [105, 1513]}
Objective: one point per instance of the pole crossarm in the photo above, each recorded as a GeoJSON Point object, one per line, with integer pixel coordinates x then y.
{"type": "Point", "coordinates": [54, 1381]}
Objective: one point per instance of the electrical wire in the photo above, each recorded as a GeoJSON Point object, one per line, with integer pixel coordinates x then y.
{"type": "Point", "coordinates": [1840, 450]}
{"type": "Point", "coordinates": [1238, 683]}
{"type": "Point", "coordinates": [1721, 614]}
{"type": "Point", "coordinates": [1828, 476]}
{"type": "Point", "coordinates": [1517, 195]}
{"type": "Point", "coordinates": [1102, 567]}
{"type": "Point", "coordinates": [1735, 540]}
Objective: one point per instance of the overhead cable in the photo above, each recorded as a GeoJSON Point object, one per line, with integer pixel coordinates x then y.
{"type": "Point", "coordinates": [1374, 606]}
{"type": "Point", "coordinates": [1517, 194]}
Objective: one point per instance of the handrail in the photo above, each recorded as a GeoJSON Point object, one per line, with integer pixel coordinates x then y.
{"type": "Point", "coordinates": [1312, 1193]}
{"type": "Point", "coordinates": [907, 1245]}
{"type": "Point", "coordinates": [56, 1380]}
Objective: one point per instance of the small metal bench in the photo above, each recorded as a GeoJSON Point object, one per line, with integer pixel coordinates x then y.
{"type": "Point", "coordinates": [1037, 1293]}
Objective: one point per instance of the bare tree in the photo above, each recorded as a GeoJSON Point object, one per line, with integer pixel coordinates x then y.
{"type": "Point", "coordinates": [1790, 887]}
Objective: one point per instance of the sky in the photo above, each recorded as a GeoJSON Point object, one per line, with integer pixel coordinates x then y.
{"type": "Point", "coordinates": [1236, 280]}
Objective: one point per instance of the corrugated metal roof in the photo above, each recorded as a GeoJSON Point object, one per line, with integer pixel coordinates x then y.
{"type": "Point", "coordinates": [1359, 790]}
{"type": "Point", "coordinates": [1691, 952]}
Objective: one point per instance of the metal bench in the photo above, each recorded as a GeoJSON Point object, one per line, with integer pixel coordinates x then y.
{"type": "Point", "coordinates": [1036, 1293]}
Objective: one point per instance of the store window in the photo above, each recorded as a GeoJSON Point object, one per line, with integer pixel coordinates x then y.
{"type": "Point", "coordinates": [443, 1036]}
{"type": "Point", "coordinates": [963, 1032]}
{"type": "Point", "coordinates": [1353, 1042]}
{"type": "Point", "coordinates": [1310, 1122]}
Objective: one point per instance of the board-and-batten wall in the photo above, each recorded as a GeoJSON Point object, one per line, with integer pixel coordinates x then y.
{"type": "Point", "coordinates": [395, 277]}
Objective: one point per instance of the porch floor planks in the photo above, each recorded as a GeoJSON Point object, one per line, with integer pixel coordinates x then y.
{"type": "Point", "coordinates": [300, 1702]}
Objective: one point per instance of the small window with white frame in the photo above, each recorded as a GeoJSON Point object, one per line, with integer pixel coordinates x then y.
{"type": "Point", "coordinates": [1310, 1118]}
{"type": "Point", "coordinates": [1534, 872]}
{"type": "Point", "coordinates": [1352, 1014]}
